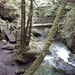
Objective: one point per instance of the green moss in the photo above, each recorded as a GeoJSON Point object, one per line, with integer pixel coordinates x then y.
{"type": "Point", "coordinates": [67, 30]}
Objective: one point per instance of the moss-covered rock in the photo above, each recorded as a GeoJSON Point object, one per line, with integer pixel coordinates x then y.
{"type": "Point", "coordinates": [67, 30]}
{"type": "Point", "coordinates": [30, 52]}
{"type": "Point", "coordinates": [2, 22]}
{"type": "Point", "coordinates": [8, 10]}
{"type": "Point", "coordinates": [36, 33]}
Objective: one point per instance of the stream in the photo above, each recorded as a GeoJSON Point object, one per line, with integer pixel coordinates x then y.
{"type": "Point", "coordinates": [59, 61]}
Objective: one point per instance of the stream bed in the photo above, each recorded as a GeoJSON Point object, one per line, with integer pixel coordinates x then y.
{"type": "Point", "coordinates": [60, 61]}
{"type": "Point", "coordinates": [57, 62]}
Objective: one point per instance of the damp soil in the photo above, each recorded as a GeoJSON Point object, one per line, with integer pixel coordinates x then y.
{"type": "Point", "coordinates": [6, 67]}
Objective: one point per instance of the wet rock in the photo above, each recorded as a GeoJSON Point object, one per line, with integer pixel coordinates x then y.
{"type": "Point", "coordinates": [20, 71]}
{"type": "Point", "coordinates": [72, 58]}
{"type": "Point", "coordinates": [29, 55]}
{"type": "Point", "coordinates": [21, 59]}
{"type": "Point", "coordinates": [35, 45]}
{"type": "Point", "coordinates": [60, 64]}
{"type": "Point", "coordinates": [32, 52]}
{"type": "Point", "coordinates": [36, 32]}
{"type": "Point", "coordinates": [25, 57]}
{"type": "Point", "coordinates": [4, 42]}
{"type": "Point", "coordinates": [7, 47]}
{"type": "Point", "coordinates": [33, 38]}
{"type": "Point", "coordinates": [72, 55]}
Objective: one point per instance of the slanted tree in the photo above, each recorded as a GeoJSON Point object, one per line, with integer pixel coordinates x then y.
{"type": "Point", "coordinates": [51, 34]}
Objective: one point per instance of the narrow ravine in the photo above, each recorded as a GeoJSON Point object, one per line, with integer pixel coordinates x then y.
{"type": "Point", "coordinates": [59, 57]}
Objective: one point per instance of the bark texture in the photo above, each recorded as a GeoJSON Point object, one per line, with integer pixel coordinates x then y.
{"type": "Point", "coordinates": [31, 14]}
{"type": "Point", "coordinates": [29, 22]}
{"type": "Point", "coordinates": [26, 29]}
{"type": "Point", "coordinates": [51, 34]}
{"type": "Point", "coordinates": [22, 24]}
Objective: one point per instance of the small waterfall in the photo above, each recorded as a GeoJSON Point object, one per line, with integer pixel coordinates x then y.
{"type": "Point", "coordinates": [59, 57]}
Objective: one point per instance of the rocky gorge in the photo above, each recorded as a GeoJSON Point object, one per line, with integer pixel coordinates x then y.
{"type": "Point", "coordinates": [55, 57]}
{"type": "Point", "coordinates": [67, 30]}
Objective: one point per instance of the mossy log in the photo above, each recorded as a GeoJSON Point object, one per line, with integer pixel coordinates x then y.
{"type": "Point", "coordinates": [51, 34]}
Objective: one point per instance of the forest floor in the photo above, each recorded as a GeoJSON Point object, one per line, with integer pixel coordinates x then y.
{"type": "Point", "coordinates": [6, 67]}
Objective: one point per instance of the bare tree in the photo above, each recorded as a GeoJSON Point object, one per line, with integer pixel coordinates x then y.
{"type": "Point", "coordinates": [29, 22]}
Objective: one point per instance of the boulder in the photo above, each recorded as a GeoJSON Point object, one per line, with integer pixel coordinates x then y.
{"type": "Point", "coordinates": [35, 32]}
{"type": "Point", "coordinates": [72, 58]}
{"type": "Point", "coordinates": [8, 10]}
{"type": "Point", "coordinates": [21, 59]}
{"type": "Point", "coordinates": [25, 57]}
{"type": "Point", "coordinates": [31, 54]}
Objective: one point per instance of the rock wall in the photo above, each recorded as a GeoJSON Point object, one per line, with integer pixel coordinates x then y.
{"type": "Point", "coordinates": [67, 30]}
{"type": "Point", "coordinates": [7, 11]}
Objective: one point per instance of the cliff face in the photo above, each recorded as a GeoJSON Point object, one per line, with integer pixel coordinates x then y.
{"type": "Point", "coordinates": [8, 11]}
{"type": "Point", "coordinates": [67, 30]}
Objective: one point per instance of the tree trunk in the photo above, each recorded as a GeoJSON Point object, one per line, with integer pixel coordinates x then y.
{"type": "Point", "coordinates": [31, 14]}
{"type": "Point", "coordinates": [29, 22]}
{"type": "Point", "coordinates": [22, 24]}
{"type": "Point", "coordinates": [51, 34]}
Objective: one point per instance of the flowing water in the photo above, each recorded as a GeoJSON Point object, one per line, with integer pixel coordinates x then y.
{"type": "Point", "coordinates": [57, 62]}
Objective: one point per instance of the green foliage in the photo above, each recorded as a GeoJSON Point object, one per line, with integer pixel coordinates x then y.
{"type": "Point", "coordinates": [52, 10]}
{"type": "Point", "coordinates": [39, 8]}
{"type": "Point", "coordinates": [69, 22]}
